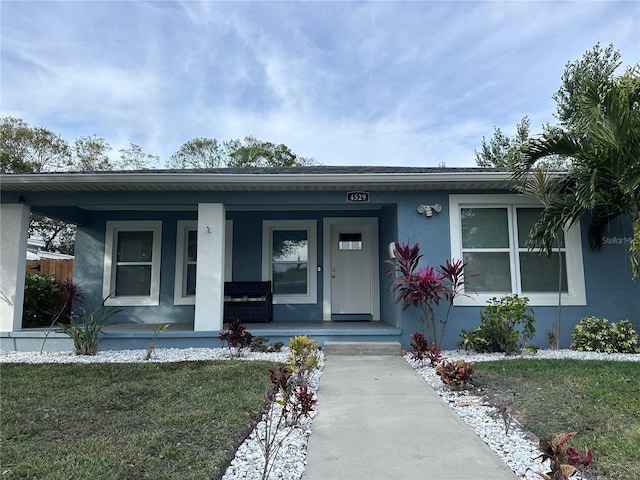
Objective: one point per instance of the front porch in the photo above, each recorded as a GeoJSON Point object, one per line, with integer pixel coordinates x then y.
{"type": "Point", "coordinates": [182, 335]}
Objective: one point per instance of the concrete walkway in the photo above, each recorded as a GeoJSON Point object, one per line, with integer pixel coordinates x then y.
{"type": "Point", "coordinates": [378, 419]}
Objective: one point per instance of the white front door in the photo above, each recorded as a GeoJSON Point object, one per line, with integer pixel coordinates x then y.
{"type": "Point", "coordinates": [353, 270]}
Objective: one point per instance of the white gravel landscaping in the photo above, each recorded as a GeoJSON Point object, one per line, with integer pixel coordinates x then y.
{"type": "Point", "coordinates": [517, 449]}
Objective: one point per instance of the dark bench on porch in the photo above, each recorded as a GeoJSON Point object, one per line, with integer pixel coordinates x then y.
{"type": "Point", "coordinates": [248, 302]}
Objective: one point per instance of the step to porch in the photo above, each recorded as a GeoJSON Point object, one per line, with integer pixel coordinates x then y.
{"type": "Point", "coordinates": [362, 348]}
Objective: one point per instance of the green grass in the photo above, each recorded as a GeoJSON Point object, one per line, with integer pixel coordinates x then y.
{"type": "Point", "coordinates": [127, 421]}
{"type": "Point", "coordinates": [598, 399]}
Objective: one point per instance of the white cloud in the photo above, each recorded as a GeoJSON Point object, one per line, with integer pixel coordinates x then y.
{"type": "Point", "coordinates": [397, 83]}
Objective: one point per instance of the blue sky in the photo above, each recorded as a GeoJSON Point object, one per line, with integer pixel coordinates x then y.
{"type": "Point", "coordinates": [347, 83]}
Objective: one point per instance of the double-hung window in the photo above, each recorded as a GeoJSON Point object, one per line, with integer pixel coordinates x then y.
{"type": "Point", "coordinates": [289, 259]}
{"type": "Point", "coordinates": [489, 233]}
{"type": "Point", "coordinates": [187, 260]}
{"type": "Point", "coordinates": [132, 263]}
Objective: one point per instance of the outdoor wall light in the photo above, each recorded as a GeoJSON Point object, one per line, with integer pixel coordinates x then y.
{"type": "Point", "coordinates": [429, 209]}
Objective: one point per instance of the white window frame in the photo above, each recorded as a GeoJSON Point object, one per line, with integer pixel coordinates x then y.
{"type": "Point", "coordinates": [183, 227]}
{"type": "Point", "coordinates": [110, 263]}
{"type": "Point", "coordinates": [268, 226]}
{"type": "Point", "coordinates": [576, 294]}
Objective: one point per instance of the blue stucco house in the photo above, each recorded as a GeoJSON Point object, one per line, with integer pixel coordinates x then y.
{"type": "Point", "coordinates": [162, 244]}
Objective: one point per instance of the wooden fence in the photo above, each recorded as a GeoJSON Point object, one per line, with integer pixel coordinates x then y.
{"type": "Point", "coordinates": [60, 268]}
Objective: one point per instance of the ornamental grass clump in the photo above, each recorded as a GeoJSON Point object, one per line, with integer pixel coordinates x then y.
{"type": "Point", "coordinates": [86, 332]}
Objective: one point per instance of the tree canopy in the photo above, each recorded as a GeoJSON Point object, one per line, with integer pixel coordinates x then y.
{"type": "Point", "coordinates": [503, 151]}
{"type": "Point", "coordinates": [202, 153]}
{"type": "Point", "coordinates": [25, 149]}
{"type": "Point", "coordinates": [596, 65]}
{"type": "Point", "coordinates": [602, 141]}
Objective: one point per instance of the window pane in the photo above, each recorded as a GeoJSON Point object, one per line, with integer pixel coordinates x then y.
{"type": "Point", "coordinates": [190, 288]}
{"type": "Point", "coordinates": [526, 218]}
{"type": "Point", "coordinates": [290, 245]}
{"type": "Point", "coordinates": [192, 246]}
{"type": "Point", "coordinates": [135, 246]}
{"type": "Point", "coordinates": [485, 228]}
{"type": "Point", "coordinates": [539, 273]}
{"type": "Point", "coordinates": [133, 280]}
{"type": "Point", "coordinates": [350, 241]}
{"type": "Point", "coordinates": [492, 270]}
{"type": "Point", "coordinates": [290, 278]}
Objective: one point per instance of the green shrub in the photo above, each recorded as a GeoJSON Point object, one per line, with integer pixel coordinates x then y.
{"type": "Point", "coordinates": [506, 325]}
{"type": "Point", "coordinates": [593, 334]}
{"type": "Point", "coordinates": [41, 300]}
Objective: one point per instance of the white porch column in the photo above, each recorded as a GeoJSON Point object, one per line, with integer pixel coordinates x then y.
{"type": "Point", "coordinates": [210, 270]}
{"type": "Point", "coordinates": [14, 233]}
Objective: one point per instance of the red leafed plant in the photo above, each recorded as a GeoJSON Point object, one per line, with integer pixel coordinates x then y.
{"type": "Point", "coordinates": [457, 374]}
{"type": "Point", "coordinates": [425, 287]}
{"type": "Point", "coordinates": [564, 459]}
{"type": "Point", "coordinates": [422, 350]}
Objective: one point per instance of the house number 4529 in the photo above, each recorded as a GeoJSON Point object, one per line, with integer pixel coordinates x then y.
{"type": "Point", "coordinates": [357, 196]}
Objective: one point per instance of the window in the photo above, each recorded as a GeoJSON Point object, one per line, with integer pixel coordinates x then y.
{"type": "Point", "coordinates": [187, 259]}
{"type": "Point", "coordinates": [132, 263]}
{"type": "Point", "coordinates": [489, 233]}
{"type": "Point", "coordinates": [289, 260]}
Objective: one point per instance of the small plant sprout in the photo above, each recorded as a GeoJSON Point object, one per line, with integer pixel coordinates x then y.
{"type": "Point", "coordinates": [152, 345]}
{"type": "Point", "coordinates": [505, 409]}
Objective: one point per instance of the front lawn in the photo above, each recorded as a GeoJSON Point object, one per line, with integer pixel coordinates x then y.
{"type": "Point", "coordinates": [136, 420]}
{"type": "Point", "coordinates": [598, 399]}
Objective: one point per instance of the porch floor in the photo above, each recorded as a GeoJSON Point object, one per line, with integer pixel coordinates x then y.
{"type": "Point", "coordinates": [182, 335]}
{"type": "Point", "coordinates": [274, 328]}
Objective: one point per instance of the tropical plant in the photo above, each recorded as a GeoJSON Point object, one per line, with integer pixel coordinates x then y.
{"type": "Point", "coordinates": [422, 350]}
{"type": "Point", "coordinates": [87, 331]}
{"type": "Point", "coordinates": [457, 374]}
{"type": "Point", "coordinates": [291, 399]}
{"type": "Point", "coordinates": [593, 334]}
{"type": "Point", "coordinates": [236, 337]}
{"type": "Point", "coordinates": [68, 293]}
{"type": "Point", "coordinates": [506, 325]}
{"type": "Point", "coordinates": [302, 358]}
{"type": "Point", "coordinates": [603, 180]}
{"type": "Point", "coordinates": [425, 287]}
{"type": "Point", "coordinates": [563, 459]}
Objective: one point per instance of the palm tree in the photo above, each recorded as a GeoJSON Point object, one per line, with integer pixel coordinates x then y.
{"type": "Point", "coordinates": [603, 179]}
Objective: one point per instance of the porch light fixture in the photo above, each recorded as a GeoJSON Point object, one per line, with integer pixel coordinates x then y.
{"type": "Point", "coordinates": [428, 210]}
